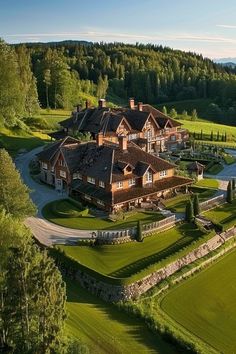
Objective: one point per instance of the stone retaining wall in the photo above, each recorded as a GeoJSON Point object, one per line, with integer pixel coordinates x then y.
{"type": "Point", "coordinates": [110, 292]}
{"type": "Point", "coordinates": [126, 235]}
{"type": "Point", "coordinates": [211, 203]}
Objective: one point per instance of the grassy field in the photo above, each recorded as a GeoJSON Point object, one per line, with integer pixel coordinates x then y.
{"type": "Point", "coordinates": [224, 214]}
{"type": "Point", "coordinates": [126, 259]}
{"type": "Point", "coordinates": [94, 223]}
{"type": "Point", "coordinates": [13, 141]}
{"type": "Point", "coordinates": [105, 329]}
{"type": "Point", "coordinates": [208, 127]}
{"type": "Point", "coordinates": [200, 105]}
{"type": "Point", "coordinates": [54, 116]}
{"type": "Point", "coordinates": [205, 304]}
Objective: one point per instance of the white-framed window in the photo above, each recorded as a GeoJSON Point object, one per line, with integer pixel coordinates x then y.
{"type": "Point", "coordinates": [163, 173]}
{"type": "Point", "coordinates": [132, 182]}
{"type": "Point", "coordinates": [119, 185]}
{"type": "Point", "coordinates": [53, 169]}
{"type": "Point", "coordinates": [173, 138]}
{"type": "Point", "coordinates": [87, 197]}
{"type": "Point", "coordinates": [148, 177]}
{"type": "Point", "coordinates": [91, 180]}
{"type": "Point", "coordinates": [77, 175]}
{"type": "Point", "coordinates": [132, 136]}
{"type": "Point", "coordinates": [101, 184]}
{"type": "Point", "coordinates": [100, 202]}
{"type": "Point", "coordinates": [44, 165]}
{"type": "Point", "coordinates": [62, 163]}
{"type": "Point", "coordinates": [63, 174]}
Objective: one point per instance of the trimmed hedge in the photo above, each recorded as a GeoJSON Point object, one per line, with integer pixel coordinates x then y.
{"type": "Point", "coordinates": [71, 213]}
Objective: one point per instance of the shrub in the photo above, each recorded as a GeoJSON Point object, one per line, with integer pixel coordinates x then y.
{"type": "Point", "coordinates": [37, 123]}
{"type": "Point", "coordinates": [189, 213]}
{"type": "Point", "coordinates": [85, 242]}
{"type": "Point", "coordinates": [68, 213]}
{"type": "Point", "coordinates": [229, 196]}
{"type": "Point", "coordinates": [196, 205]}
{"type": "Point", "coordinates": [139, 234]}
{"type": "Point", "coordinates": [220, 227]}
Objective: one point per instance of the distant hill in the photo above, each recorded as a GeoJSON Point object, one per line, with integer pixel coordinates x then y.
{"type": "Point", "coordinates": [230, 62]}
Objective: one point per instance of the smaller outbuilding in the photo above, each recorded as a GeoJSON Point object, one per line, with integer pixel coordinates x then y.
{"type": "Point", "coordinates": [196, 170]}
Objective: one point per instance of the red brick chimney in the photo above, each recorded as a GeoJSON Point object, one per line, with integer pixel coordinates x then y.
{"type": "Point", "coordinates": [140, 106]}
{"type": "Point", "coordinates": [102, 103]}
{"type": "Point", "coordinates": [122, 142]}
{"type": "Point", "coordinates": [87, 104]}
{"type": "Point", "coordinates": [99, 139]}
{"type": "Point", "coordinates": [131, 103]}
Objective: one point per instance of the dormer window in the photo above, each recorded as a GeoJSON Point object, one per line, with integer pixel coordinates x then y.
{"type": "Point", "coordinates": [148, 177]}
{"type": "Point", "coordinates": [77, 175]}
{"type": "Point", "coordinates": [101, 184]}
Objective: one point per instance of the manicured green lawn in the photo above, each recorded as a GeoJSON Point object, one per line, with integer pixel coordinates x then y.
{"type": "Point", "coordinates": [126, 259]}
{"type": "Point", "coordinates": [178, 203]}
{"type": "Point", "coordinates": [207, 183]}
{"type": "Point", "coordinates": [94, 223]}
{"type": "Point", "coordinates": [224, 214]}
{"type": "Point", "coordinates": [105, 329]}
{"type": "Point", "coordinates": [205, 304]}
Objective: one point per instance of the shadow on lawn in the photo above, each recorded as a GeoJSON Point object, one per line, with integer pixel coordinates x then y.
{"type": "Point", "coordinates": [133, 326]}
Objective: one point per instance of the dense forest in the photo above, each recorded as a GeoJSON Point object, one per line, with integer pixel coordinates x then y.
{"type": "Point", "coordinates": [63, 74]}
{"type": "Point", "coordinates": [149, 73]}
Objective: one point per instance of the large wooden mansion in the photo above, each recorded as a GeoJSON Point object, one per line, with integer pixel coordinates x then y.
{"type": "Point", "coordinates": [107, 174]}
{"type": "Point", "coordinates": [143, 124]}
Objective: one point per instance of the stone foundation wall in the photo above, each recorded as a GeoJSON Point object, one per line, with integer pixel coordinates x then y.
{"type": "Point", "coordinates": [111, 293]}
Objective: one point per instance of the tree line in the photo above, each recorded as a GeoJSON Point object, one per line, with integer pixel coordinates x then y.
{"type": "Point", "coordinates": [147, 72]}
{"type": "Point", "coordinates": [32, 291]}
{"type": "Point", "coordinates": [61, 75]}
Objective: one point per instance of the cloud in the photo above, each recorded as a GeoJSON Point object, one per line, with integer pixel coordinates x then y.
{"type": "Point", "coordinates": [95, 35]}
{"type": "Point", "coordinates": [227, 26]}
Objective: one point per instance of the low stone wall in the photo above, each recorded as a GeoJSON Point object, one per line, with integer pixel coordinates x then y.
{"type": "Point", "coordinates": [110, 292]}
{"type": "Point", "coordinates": [211, 203]}
{"type": "Point", "coordinates": [126, 235]}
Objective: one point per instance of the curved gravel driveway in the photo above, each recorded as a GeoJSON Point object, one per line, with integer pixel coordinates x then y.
{"type": "Point", "coordinates": [46, 232]}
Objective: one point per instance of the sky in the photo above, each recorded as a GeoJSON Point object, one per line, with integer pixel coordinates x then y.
{"type": "Point", "coordinates": [203, 26]}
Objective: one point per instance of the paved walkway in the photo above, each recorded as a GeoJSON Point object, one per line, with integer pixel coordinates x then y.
{"type": "Point", "coordinates": [46, 232]}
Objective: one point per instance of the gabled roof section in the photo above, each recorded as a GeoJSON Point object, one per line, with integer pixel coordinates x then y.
{"type": "Point", "coordinates": [50, 153]}
{"type": "Point", "coordinates": [160, 117]}
{"type": "Point", "coordinates": [136, 119]}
